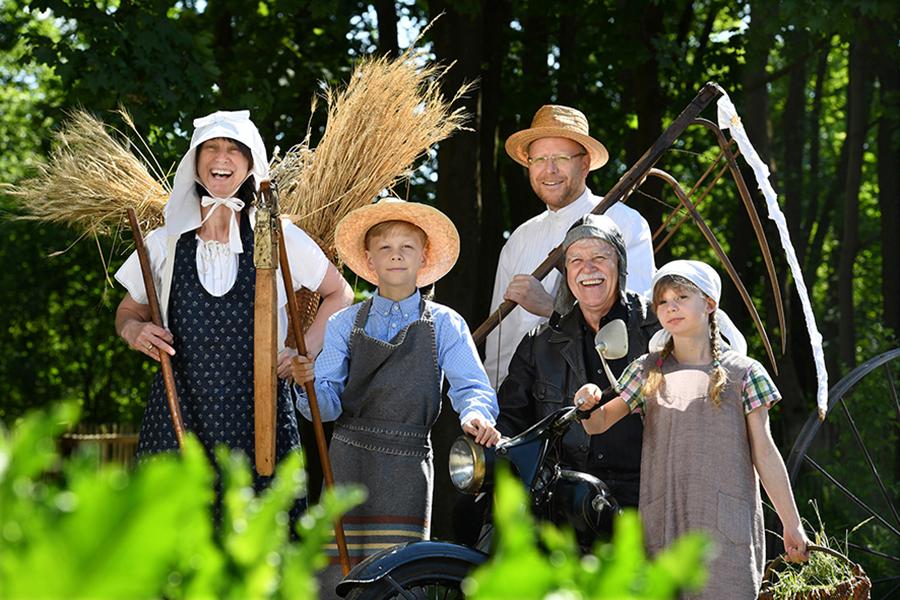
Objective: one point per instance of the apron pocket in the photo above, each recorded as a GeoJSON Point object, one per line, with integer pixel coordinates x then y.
{"type": "Point", "coordinates": [734, 519]}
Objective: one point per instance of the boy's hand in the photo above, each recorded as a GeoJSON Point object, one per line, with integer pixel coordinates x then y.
{"type": "Point", "coordinates": [302, 369]}
{"type": "Point", "coordinates": [483, 432]}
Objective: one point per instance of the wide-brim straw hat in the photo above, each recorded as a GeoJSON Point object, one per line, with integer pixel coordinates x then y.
{"type": "Point", "coordinates": [554, 120]}
{"type": "Point", "coordinates": [441, 248]}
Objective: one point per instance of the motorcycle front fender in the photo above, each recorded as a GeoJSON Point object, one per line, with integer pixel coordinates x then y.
{"type": "Point", "coordinates": [382, 563]}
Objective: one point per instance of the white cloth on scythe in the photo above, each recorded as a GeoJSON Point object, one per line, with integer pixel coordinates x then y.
{"type": "Point", "coordinates": [729, 119]}
{"type": "Point", "coordinates": [216, 262]}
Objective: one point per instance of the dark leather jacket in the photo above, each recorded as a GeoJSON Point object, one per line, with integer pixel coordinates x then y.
{"type": "Point", "coordinates": [549, 367]}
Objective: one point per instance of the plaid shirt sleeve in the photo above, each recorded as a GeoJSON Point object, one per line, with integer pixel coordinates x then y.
{"type": "Point", "coordinates": [758, 389]}
{"type": "Point", "coordinates": [630, 384]}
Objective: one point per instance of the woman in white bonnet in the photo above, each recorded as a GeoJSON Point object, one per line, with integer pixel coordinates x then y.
{"type": "Point", "coordinates": [202, 263]}
{"type": "Point", "coordinates": [707, 444]}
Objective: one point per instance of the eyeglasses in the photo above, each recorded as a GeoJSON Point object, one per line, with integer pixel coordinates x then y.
{"type": "Point", "coordinates": [556, 159]}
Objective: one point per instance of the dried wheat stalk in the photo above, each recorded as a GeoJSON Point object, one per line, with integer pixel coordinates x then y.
{"type": "Point", "coordinates": [389, 114]}
{"type": "Point", "coordinates": [91, 179]}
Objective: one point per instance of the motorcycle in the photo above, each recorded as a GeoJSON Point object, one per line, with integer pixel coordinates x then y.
{"type": "Point", "coordinates": [432, 568]}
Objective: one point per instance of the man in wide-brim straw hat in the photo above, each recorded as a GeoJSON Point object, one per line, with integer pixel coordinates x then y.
{"type": "Point", "coordinates": [380, 372]}
{"type": "Point", "coordinates": [558, 152]}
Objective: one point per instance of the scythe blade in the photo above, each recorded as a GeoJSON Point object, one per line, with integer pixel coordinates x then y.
{"type": "Point", "coordinates": [725, 146]}
{"type": "Point", "coordinates": [720, 252]}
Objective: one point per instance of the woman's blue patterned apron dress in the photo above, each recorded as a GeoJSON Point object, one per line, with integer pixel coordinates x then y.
{"type": "Point", "coordinates": [213, 363]}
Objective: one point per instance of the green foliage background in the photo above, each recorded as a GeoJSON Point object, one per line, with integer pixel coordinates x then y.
{"type": "Point", "coordinates": [631, 67]}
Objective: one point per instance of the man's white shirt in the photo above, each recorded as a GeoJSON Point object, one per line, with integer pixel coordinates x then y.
{"type": "Point", "coordinates": [530, 244]}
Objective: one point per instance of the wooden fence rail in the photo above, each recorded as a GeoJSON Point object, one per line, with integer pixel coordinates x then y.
{"type": "Point", "coordinates": [111, 443]}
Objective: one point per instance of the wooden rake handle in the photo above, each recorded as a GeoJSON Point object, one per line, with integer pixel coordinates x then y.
{"type": "Point", "coordinates": [310, 387]}
{"type": "Point", "coordinates": [165, 360]}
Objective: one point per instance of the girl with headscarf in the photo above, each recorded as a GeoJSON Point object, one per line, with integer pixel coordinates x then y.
{"type": "Point", "coordinates": [707, 443]}
{"type": "Point", "coordinates": [202, 264]}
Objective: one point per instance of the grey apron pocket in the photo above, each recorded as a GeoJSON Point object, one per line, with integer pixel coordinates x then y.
{"type": "Point", "coordinates": [733, 520]}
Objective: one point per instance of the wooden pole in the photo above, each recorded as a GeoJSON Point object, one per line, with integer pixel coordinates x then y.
{"type": "Point", "coordinates": [165, 360]}
{"type": "Point", "coordinates": [265, 331]}
{"type": "Point", "coordinates": [310, 387]}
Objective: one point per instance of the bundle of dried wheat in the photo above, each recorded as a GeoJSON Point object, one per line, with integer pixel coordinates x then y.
{"type": "Point", "coordinates": [390, 113]}
{"type": "Point", "coordinates": [91, 179]}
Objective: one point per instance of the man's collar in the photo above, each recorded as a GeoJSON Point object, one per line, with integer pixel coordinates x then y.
{"type": "Point", "coordinates": [619, 310]}
{"type": "Point", "coordinates": [579, 207]}
{"type": "Point", "coordinates": [385, 305]}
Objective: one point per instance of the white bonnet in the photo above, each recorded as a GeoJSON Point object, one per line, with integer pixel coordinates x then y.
{"type": "Point", "coordinates": [183, 208]}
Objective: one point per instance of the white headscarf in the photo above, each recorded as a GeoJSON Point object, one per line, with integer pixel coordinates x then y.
{"type": "Point", "coordinates": [182, 211]}
{"type": "Point", "coordinates": [183, 208]}
{"type": "Point", "coordinates": [709, 282]}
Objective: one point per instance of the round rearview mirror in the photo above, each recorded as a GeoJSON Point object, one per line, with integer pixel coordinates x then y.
{"type": "Point", "coordinates": [612, 340]}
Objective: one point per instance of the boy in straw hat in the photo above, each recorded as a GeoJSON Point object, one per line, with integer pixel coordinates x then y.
{"type": "Point", "coordinates": [558, 152]}
{"type": "Point", "coordinates": [379, 374]}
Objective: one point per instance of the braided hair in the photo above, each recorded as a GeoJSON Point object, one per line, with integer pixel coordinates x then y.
{"type": "Point", "coordinates": [654, 375]}
{"type": "Point", "coordinates": [718, 377]}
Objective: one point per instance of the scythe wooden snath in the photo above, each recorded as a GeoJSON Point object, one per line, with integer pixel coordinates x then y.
{"type": "Point", "coordinates": [636, 175]}
{"type": "Point", "coordinates": [165, 360]}
{"type": "Point", "coordinates": [265, 329]}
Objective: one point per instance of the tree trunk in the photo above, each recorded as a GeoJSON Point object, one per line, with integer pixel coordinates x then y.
{"type": "Point", "coordinates": [889, 190]}
{"type": "Point", "coordinates": [523, 203]}
{"type": "Point", "coordinates": [755, 115]}
{"type": "Point", "coordinates": [387, 27]}
{"type": "Point", "coordinates": [223, 42]}
{"type": "Point", "coordinates": [457, 36]}
{"type": "Point", "coordinates": [570, 60]}
{"type": "Point", "coordinates": [889, 193]}
{"type": "Point", "coordinates": [641, 85]}
{"type": "Point", "coordinates": [793, 378]}
{"type": "Point", "coordinates": [815, 112]}
{"type": "Point", "coordinates": [792, 131]}
{"type": "Point", "coordinates": [756, 118]}
{"type": "Point", "coordinates": [858, 101]}
{"type": "Point", "coordinates": [496, 45]}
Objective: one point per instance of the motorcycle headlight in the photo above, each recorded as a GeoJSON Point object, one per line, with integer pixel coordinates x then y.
{"type": "Point", "coordinates": [467, 465]}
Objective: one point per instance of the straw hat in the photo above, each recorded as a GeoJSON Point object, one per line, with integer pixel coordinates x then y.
{"type": "Point", "coordinates": [554, 120]}
{"type": "Point", "coordinates": [441, 248]}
